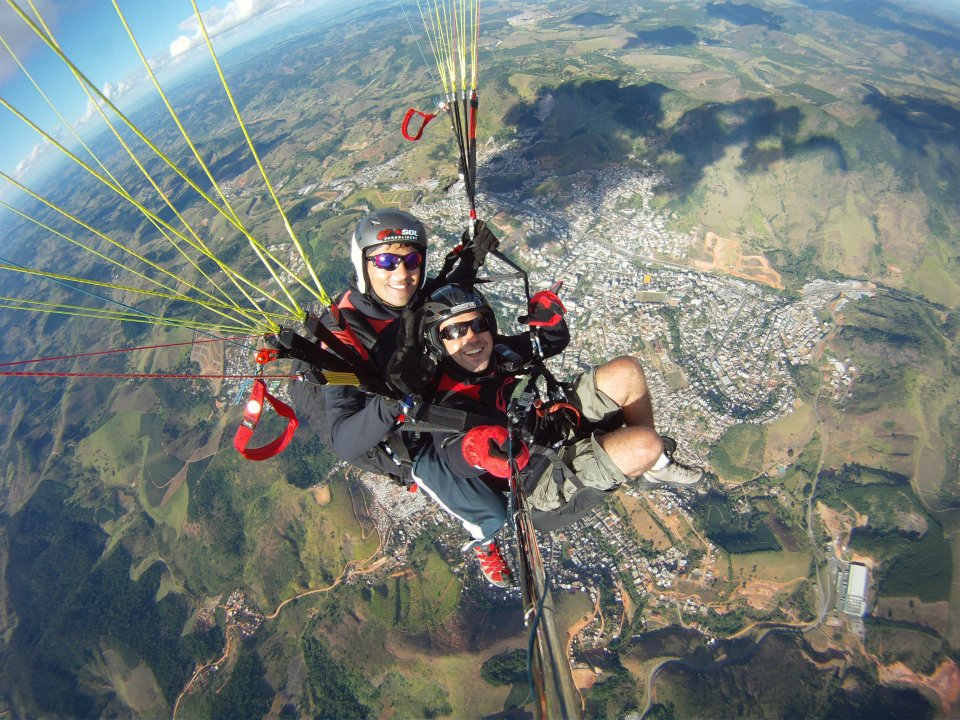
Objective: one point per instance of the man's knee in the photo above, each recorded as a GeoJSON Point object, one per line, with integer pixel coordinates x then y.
{"type": "Point", "coordinates": [634, 450]}
{"type": "Point", "coordinates": [622, 379]}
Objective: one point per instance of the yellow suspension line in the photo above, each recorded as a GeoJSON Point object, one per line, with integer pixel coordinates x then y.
{"type": "Point", "coordinates": [198, 245]}
{"type": "Point", "coordinates": [124, 193]}
{"type": "Point", "coordinates": [299, 313]}
{"type": "Point", "coordinates": [212, 304]}
{"type": "Point", "coordinates": [156, 83]}
{"type": "Point", "coordinates": [321, 294]}
{"type": "Point", "coordinates": [173, 296]}
{"type": "Point", "coordinates": [449, 46]}
{"type": "Point", "coordinates": [475, 8]}
{"type": "Point", "coordinates": [146, 212]}
{"type": "Point", "coordinates": [462, 45]}
{"type": "Point", "coordinates": [112, 286]}
{"type": "Point", "coordinates": [106, 314]}
{"type": "Point", "coordinates": [431, 23]}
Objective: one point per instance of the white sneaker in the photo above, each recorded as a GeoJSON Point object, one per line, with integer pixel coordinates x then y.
{"type": "Point", "coordinates": [675, 474]}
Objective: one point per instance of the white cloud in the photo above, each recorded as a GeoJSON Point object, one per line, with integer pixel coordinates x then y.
{"type": "Point", "coordinates": [220, 19]}
{"type": "Point", "coordinates": [38, 151]}
{"type": "Point", "coordinates": [111, 92]}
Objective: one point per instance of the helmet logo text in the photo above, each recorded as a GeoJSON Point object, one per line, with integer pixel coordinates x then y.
{"type": "Point", "coordinates": [388, 233]}
{"type": "Point", "coordinates": [463, 307]}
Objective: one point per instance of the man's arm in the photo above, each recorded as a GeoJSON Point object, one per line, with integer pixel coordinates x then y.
{"type": "Point", "coordinates": [553, 341]}
{"type": "Point", "coordinates": [358, 421]}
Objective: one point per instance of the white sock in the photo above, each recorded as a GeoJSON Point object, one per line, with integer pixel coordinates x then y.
{"type": "Point", "coordinates": [661, 463]}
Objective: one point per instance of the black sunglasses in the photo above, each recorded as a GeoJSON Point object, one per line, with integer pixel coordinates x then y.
{"type": "Point", "coordinates": [391, 261]}
{"type": "Point", "coordinates": [458, 330]}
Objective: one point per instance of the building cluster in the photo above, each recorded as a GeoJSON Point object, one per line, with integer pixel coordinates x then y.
{"type": "Point", "coordinates": [528, 17]}
{"type": "Point", "coordinates": [717, 350]}
{"type": "Point", "coordinates": [245, 618]}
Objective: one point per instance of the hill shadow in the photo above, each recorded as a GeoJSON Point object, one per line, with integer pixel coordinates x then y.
{"type": "Point", "coordinates": [702, 136]}
{"type": "Point", "coordinates": [880, 14]}
{"type": "Point", "coordinates": [915, 121]}
{"type": "Point", "coordinates": [588, 124]}
{"type": "Point", "coordinates": [744, 15]}
{"type": "Point", "coordinates": [598, 123]}
{"type": "Point", "coordinates": [674, 36]}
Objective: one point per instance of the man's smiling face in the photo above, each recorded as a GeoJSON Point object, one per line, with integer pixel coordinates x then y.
{"type": "Point", "coordinates": [470, 347]}
{"type": "Point", "coordinates": [398, 286]}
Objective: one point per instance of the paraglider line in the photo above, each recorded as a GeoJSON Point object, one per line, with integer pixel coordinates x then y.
{"type": "Point", "coordinates": [125, 350]}
{"type": "Point", "coordinates": [158, 376]}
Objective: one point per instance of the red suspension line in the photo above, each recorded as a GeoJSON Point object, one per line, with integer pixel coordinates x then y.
{"type": "Point", "coordinates": [159, 376]}
{"type": "Point", "coordinates": [130, 349]}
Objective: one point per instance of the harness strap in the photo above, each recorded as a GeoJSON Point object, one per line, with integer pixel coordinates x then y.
{"type": "Point", "coordinates": [431, 418]}
{"type": "Point", "coordinates": [560, 473]}
{"type": "Point", "coordinates": [251, 416]}
{"type": "Point", "coordinates": [345, 361]}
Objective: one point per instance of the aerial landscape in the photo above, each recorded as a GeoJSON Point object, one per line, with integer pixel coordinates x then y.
{"type": "Point", "coordinates": [757, 199]}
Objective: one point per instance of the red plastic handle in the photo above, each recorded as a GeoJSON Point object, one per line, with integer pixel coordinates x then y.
{"type": "Point", "coordinates": [251, 416]}
{"type": "Point", "coordinates": [405, 127]}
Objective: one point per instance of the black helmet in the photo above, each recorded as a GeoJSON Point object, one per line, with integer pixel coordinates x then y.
{"type": "Point", "coordinates": [383, 227]}
{"type": "Point", "coordinates": [448, 302]}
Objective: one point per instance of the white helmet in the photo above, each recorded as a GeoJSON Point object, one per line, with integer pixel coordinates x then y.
{"type": "Point", "coordinates": [382, 227]}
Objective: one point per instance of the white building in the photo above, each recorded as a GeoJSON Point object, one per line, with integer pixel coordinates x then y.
{"type": "Point", "coordinates": [855, 602]}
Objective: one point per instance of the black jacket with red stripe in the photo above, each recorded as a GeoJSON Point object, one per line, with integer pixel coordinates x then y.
{"type": "Point", "coordinates": [352, 423]}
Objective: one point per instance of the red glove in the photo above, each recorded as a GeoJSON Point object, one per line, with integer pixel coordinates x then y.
{"type": "Point", "coordinates": [546, 310]}
{"type": "Point", "coordinates": [485, 446]}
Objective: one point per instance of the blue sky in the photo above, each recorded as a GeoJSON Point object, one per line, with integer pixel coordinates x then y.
{"type": "Point", "coordinates": [91, 34]}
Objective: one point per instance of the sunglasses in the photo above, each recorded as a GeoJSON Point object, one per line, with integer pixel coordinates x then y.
{"type": "Point", "coordinates": [391, 261]}
{"type": "Point", "coordinates": [458, 330]}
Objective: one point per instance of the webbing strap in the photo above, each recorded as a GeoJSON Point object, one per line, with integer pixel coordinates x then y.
{"type": "Point", "coordinates": [251, 416]}
{"type": "Point", "coordinates": [431, 418]}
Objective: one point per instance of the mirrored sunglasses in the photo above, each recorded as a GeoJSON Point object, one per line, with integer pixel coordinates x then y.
{"type": "Point", "coordinates": [391, 261]}
{"type": "Point", "coordinates": [458, 330]}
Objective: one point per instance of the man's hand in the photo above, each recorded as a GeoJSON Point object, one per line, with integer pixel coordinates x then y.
{"type": "Point", "coordinates": [411, 369]}
{"type": "Point", "coordinates": [461, 264]}
{"type": "Point", "coordinates": [473, 253]}
{"type": "Point", "coordinates": [487, 446]}
{"type": "Point", "coordinates": [546, 310]}
{"type": "Point", "coordinates": [484, 242]}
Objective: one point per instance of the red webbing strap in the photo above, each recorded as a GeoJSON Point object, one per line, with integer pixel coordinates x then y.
{"type": "Point", "coordinates": [405, 126]}
{"type": "Point", "coordinates": [474, 104]}
{"type": "Point", "coordinates": [251, 416]}
{"type": "Point", "coordinates": [543, 411]}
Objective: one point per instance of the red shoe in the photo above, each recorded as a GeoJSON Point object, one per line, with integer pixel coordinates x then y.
{"type": "Point", "coordinates": [493, 566]}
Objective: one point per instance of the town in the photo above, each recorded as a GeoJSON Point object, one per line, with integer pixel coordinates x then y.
{"type": "Point", "coordinates": [718, 350]}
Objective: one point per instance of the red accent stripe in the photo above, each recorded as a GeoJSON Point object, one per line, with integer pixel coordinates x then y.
{"type": "Point", "coordinates": [379, 325]}
{"type": "Point", "coordinates": [129, 349]}
{"type": "Point", "coordinates": [159, 376]}
{"type": "Point", "coordinates": [449, 385]}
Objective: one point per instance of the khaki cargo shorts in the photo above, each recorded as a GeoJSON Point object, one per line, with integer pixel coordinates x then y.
{"type": "Point", "coordinates": [585, 456]}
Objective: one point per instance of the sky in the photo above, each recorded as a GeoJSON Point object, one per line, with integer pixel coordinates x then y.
{"type": "Point", "coordinates": [92, 36]}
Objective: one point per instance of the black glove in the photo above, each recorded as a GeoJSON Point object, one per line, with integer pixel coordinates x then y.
{"type": "Point", "coordinates": [484, 241]}
{"type": "Point", "coordinates": [485, 446]}
{"type": "Point", "coordinates": [411, 368]}
{"type": "Point", "coordinates": [546, 310]}
{"type": "Point", "coordinates": [472, 253]}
